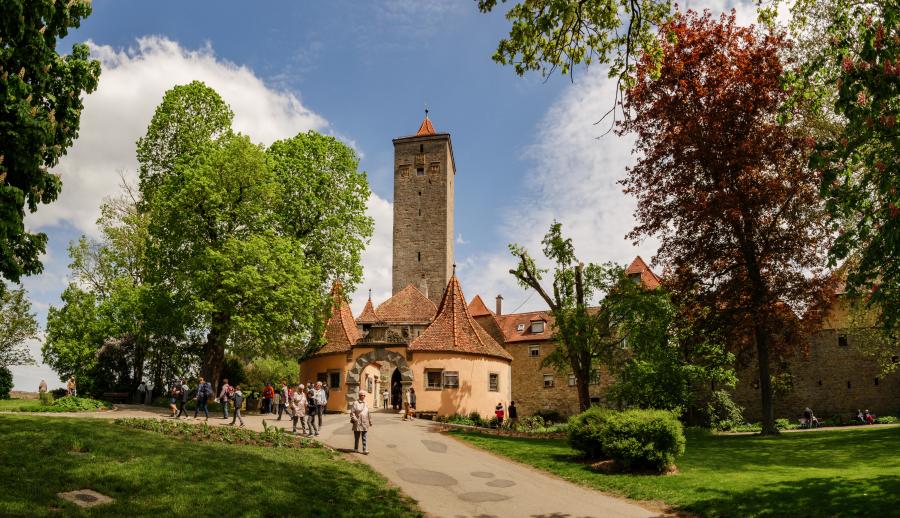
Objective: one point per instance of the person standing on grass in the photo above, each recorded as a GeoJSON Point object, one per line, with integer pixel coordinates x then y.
{"type": "Point", "coordinates": [204, 391]}
{"type": "Point", "coordinates": [185, 395]}
{"type": "Point", "coordinates": [42, 388]}
{"type": "Point", "coordinates": [498, 411]}
{"type": "Point", "coordinates": [298, 408]}
{"type": "Point", "coordinates": [70, 386]}
{"type": "Point", "coordinates": [361, 421]}
{"type": "Point", "coordinates": [513, 413]}
{"type": "Point", "coordinates": [238, 398]}
{"type": "Point", "coordinates": [224, 396]}
{"type": "Point", "coordinates": [311, 411]}
{"type": "Point", "coordinates": [321, 399]}
{"type": "Point", "coordinates": [174, 396]}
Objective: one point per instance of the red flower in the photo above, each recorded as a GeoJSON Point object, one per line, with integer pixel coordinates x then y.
{"type": "Point", "coordinates": [847, 65]}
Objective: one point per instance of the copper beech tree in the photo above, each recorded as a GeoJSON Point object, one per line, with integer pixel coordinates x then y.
{"type": "Point", "coordinates": [726, 190]}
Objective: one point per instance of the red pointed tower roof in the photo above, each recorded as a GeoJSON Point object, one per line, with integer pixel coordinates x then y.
{"type": "Point", "coordinates": [407, 306]}
{"type": "Point", "coordinates": [455, 331]}
{"type": "Point", "coordinates": [368, 315]}
{"type": "Point", "coordinates": [477, 308]}
{"type": "Point", "coordinates": [639, 268]}
{"type": "Point", "coordinates": [340, 331]}
{"type": "Point", "coordinates": [426, 128]}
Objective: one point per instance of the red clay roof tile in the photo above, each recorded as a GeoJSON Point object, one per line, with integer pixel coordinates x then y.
{"type": "Point", "coordinates": [425, 128]}
{"type": "Point", "coordinates": [454, 330]}
{"type": "Point", "coordinates": [639, 267]}
{"type": "Point", "coordinates": [407, 306]}
{"type": "Point", "coordinates": [340, 331]}
{"type": "Point", "coordinates": [509, 324]}
{"type": "Point", "coordinates": [477, 308]}
{"type": "Point", "coordinates": [368, 315]}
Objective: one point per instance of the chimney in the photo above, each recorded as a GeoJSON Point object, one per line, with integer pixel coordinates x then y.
{"type": "Point", "coordinates": [499, 304]}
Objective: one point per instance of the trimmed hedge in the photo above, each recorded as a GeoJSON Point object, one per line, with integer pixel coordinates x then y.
{"type": "Point", "coordinates": [635, 439]}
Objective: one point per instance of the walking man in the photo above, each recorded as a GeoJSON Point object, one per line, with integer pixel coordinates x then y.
{"type": "Point", "coordinates": [385, 397]}
{"type": "Point", "coordinates": [204, 391]}
{"type": "Point", "coordinates": [361, 421]}
{"type": "Point", "coordinates": [238, 398]}
{"type": "Point", "coordinates": [224, 396]}
{"type": "Point", "coordinates": [184, 398]}
{"type": "Point", "coordinates": [284, 399]}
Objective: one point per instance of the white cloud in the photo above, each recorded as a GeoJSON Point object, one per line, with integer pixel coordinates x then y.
{"type": "Point", "coordinates": [132, 83]}
{"type": "Point", "coordinates": [460, 240]}
{"type": "Point", "coordinates": [377, 260]}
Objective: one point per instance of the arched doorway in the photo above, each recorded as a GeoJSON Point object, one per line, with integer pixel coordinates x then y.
{"type": "Point", "coordinates": [396, 391]}
{"type": "Point", "coordinates": [402, 372]}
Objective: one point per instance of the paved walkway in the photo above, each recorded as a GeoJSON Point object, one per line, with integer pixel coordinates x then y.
{"type": "Point", "coordinates": [449, 479]}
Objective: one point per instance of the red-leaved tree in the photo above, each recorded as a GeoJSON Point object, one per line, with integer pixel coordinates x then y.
{"type": "Point", "coordinates": [726, 188]}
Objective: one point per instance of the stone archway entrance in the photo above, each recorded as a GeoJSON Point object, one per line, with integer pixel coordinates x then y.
{"type": "Point", "coordinates": [378, 355]}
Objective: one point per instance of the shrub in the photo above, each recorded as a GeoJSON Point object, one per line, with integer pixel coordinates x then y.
{"type": "Point", "coordinates": [476, 419]}
{"type": "Point", "coordinates": [70, 404]}
{"type": "Point", "coordinates": [59, 392]}
{"type": "Point", "coordinates": [888, 419]}
{"type": "Point", "coordinates": [721, 412]}
{"type": "Point", "coordinates": [47, 398]}
{"type": "Point", "coordinates": [550, 416]}
{"type": "Point", "coordinates": [636, 439]}
{"type": "Point", "coordinates": [6, 382]}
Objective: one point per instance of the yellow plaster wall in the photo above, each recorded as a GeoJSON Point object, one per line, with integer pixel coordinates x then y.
{"type": "Point", "coordinates": [472, 395]}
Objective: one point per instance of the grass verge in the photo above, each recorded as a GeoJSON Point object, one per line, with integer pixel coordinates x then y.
{"type": "Point", "coordinates": [151, 474]}
{"type": "Point", "coordinates": [840, 473]}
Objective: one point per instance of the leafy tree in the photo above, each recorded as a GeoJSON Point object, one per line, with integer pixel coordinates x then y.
{"type": "Point", "coordinates": [859, 165]}
{"type": "Point", "coordinates": [582, 333]}
{"type": "Point", "coordinates": [39, 117]}
{"type": "Point", "coordinates": [17, 325]}
{"type": "Point", "coordinates": [271, 370]}
{"type": "Point", "coordinates": [213, 238]}
{"type": "Point", "coordinates": [726, 188]}
{"type": "Point", "coordinates": [74, 337]}
{"type": "Point", "coordinates": [6, 382]}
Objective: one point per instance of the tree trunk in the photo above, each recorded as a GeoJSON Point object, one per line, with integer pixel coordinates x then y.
{"type": "Point", "coordinates": [214, 349]}
{"type": "Point", "coordinates": [582, 380]}
{"type": "Point", "coordinates": [765, 382]}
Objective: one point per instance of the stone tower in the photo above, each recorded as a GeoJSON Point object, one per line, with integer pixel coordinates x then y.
{"type": "Point", "coordinates": [423, 211]}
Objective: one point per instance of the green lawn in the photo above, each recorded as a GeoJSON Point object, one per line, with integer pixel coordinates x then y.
{"type": "Point", "coordinates": [829, 473]}
{"type": "Point", "coordinates": [18, 405]}
{"type": "Point", "coordinates": [149, 474]}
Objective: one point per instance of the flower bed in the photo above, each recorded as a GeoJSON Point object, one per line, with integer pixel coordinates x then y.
{"type": "Point", "coordinates": [67, 404]}
{"type": "Point", "coordinates": [271, 436]}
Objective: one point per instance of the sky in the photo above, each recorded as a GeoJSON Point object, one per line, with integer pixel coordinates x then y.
{"type": "Point", "coordinates": [527, 149]}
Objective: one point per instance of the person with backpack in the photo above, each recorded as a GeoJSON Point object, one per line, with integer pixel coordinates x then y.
{"type": "Point", "coordinates": [204, 391]}
{"type": "Point", "coordinates": [238, 398]}
{"type": "Point", "coordinates": [224, 396]}
{"type": "Point", "coordinates": [184, 391]}
{"type": "Point", "coordinates": [311, 411]}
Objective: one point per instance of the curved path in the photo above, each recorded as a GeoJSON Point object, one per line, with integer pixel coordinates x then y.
{"type": "Point", "coordinates": [448, 478]}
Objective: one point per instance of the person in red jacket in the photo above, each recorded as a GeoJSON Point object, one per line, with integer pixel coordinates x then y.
{"type": "Point", "coordinates": [268, 394]}
{"type": "Point", "coordinates": [499, 413]}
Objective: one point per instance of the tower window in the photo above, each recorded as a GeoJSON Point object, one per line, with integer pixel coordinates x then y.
{"type": "Point", "coordinates": [842, 340]}
{"type": "Point", "coordinates": [848, 384]}
{"type": "Point", "coordinates": [420, 212]}
{"type": "Point", "coordinates": [421, 148]}
{"type": "Point", "coordinates": [420, 193]}
{"type": "Point", "coordinates": [419, 255]}
{"type": "Point", "coordinates": [420, 171]}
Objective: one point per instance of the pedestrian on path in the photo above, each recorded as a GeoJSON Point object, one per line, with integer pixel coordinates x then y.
{"type": "Point", "coordinates": [224, 396]}
{"type": "Point", "coordinates": [284, 398]}
{"type": "Point", "coordinates": [142, 393]}
{"type": "Point", "coordinates": [311, 411]}
{"type": "Point", "coordinates": [185, 395]}
{"type": "Point", "coordinates": [238, 398]}
{"type": "Point", "coordinates": [385, 397]}
{"type": "Point", "coordinates": [321, 398]}
{"type": "Point", "coordinates": [298, 408]}
{"type": "Point", "coordinates": [268, 394]}
{"type": "Point", "coordinates": [204, 391]}
{"type": "Point", "coordinates": [361, 421]}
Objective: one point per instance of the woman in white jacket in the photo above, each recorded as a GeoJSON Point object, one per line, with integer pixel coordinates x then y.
{"type": "Point", "coordinates": [297, 406]}
{"type": "Point", "coordinates": [361, 421]}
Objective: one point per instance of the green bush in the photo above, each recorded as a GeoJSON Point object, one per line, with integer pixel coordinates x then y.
{"type": "Point", "coordinates": [550, 416]}
{"type": "Point", "coordinates": [721, 412]}
{"type": "Point", "coordinates": [888, 419]}
{"type": "Point", "coordinates": [70, 404]}
{"type": "Point", "coordinates": [6, 382]}
{"type": "Point", "coordinates": [476, 419]}
{"type": "Point", "coordinates": [636, 439]}
{"type": "Point", "coordinates": [47, 398]}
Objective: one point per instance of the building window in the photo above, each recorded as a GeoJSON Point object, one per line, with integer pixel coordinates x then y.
{"type": "Point", "coordinates": [534, 351]}
{"type": "Point", "coordinates": [419, 255]}
{"type": "Point", "coordinates": [571, 380]}
{"type": "Point", "coordinates": [494, 382]}
{"type": "Point", "coordinates": [420, 171]}
{"type": "Point", "coordinates": [876, 382]}
{"type": "Point", "coordinates": [451, 379]}
{"type": "Point", "coordinates": [420, 193]}
{"type": "Point", "coordinates": [433, 379]}
{"type": "Point", "coordinates": [537, 327]}
{"type": "Point", "coordinates": [595, 377]}
{"type": "Point", "coordinates": [520, 327]}
{"type": "Point", "coordinates": [420, 212]}
{"type": "Point", "coordinates": [848, 384]}
{"type": "Point", "coordinates": [820, 383]}
{"type": "Point", "coordinates": [369, 384]}
{"type": "Point", "coordinates": [334, 379]}
{"type": "Point", "coordinates": [842, 340]}
{"type": "Point", "coordinates": [434, 167]}
{"type": "Point", "coordinates": [548, 380]}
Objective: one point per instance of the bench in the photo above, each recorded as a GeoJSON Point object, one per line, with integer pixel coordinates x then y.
{"type": "Point", "coordinates": [116, 396]}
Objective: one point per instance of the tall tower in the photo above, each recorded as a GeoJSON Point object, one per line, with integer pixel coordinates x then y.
{"type": "Point", "coordinates": [423, 211]}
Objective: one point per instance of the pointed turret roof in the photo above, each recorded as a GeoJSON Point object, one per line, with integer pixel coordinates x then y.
{"type": "Point", "coordinates": [638, 267]}
{"type": "Point", "coordinates": [368, 315]}
{"type": "Point", "coordinates": [407, 306]}
{"type": "Point", "coordinates": [455, 331]}
{"type": "Point", "coordinates": [340, 331]}
{"type": "Point", "coordinates": [477, 308]}
{"type": "Point", "coordinates": [425, 128]}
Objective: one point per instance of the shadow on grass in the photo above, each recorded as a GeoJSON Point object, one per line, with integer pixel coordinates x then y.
{"type": "Point", "coordinates": [152, 475]}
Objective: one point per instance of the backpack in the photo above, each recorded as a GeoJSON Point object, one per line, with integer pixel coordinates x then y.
{"type": "Point", "coordinates": [238, 400]}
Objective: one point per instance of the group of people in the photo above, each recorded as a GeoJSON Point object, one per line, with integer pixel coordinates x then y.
{"type": "Point", "coordinates": [865, 417]}
{"type": "Point", "coordinates": [511, 413]}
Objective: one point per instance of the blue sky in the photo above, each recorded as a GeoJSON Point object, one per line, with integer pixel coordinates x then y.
{"type": "Point", "coordinates": [526, 149]}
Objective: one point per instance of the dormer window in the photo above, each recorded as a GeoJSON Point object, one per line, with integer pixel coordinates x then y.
{"type": "Point", "coordinates": [520, 327]}
{"type": "Point", "coordinates": [537, 326]}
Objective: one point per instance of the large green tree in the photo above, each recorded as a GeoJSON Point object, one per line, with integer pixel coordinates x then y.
{"type": "Point", "coordinates": [17, 326]}
{"type": "Point", "coordinates": [40, 109]}
{"type": "Point", "coordinates": [583, 333]}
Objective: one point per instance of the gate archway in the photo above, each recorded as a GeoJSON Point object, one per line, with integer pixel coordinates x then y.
{"type": "Point", "coordinates": [352, 381]}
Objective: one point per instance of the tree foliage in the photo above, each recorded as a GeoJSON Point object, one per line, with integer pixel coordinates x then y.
{"type": "Point", "coordinates": [17, 325]}
{"type": "Point", "coordinates": [726, 188]}
{"type": "Point", "coordinates": [39, 117]}
{"type": "Point", "coordinates": [582, 332]}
